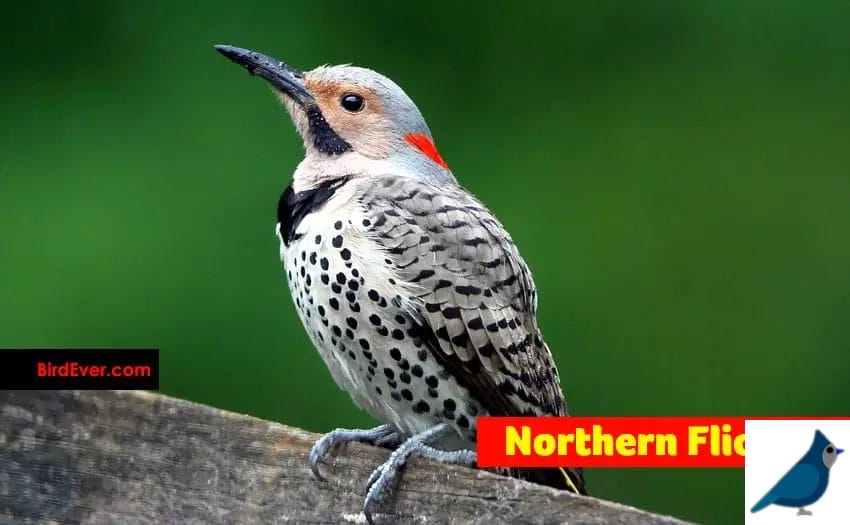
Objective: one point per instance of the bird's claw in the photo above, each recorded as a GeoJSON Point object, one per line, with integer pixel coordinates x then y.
{"type": "Point", "coordinates": [387, 474]}
{"type": "Point", "coordinates": [383, 477]}
{"type": "Point", "coordinates": [379, 435]}
{"type": "Point", "coordinates": [373, 477]}
{"type": "Point", "coordinates": [318, 452]}
{"type": "Point", "coordinates": [378, 483]}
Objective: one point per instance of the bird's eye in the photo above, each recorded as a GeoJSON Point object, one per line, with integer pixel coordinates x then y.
{"type": "Point", "coordinates": [352, 103]}
{"type": "Point", "coordinates": [830, 450]}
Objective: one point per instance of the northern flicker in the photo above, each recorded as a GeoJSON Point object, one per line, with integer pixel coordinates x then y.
{"type": "Point", "coordinates": [408, 286]}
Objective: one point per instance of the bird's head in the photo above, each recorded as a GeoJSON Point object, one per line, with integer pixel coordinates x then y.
{"type": "Point", "coordinates": [828, 451]}
{"type": "Point", "coordinates": [350, 117]}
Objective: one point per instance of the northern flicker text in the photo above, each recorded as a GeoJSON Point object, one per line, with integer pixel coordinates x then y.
{"type": "Point", "coordinates": [610, 442]}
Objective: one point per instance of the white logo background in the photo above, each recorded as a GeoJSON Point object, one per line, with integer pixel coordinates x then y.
{"type": "Point", "coordinates": [773, 447]}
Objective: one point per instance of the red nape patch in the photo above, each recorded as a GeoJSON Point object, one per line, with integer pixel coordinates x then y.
{"type": "Point", "coordinates": [424, 144]}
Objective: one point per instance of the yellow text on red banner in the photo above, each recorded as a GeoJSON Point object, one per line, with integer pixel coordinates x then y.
{"type": "Point", "coordinates": [610, 442]}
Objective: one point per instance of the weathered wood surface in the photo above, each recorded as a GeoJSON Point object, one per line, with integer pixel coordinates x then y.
{"type": "Point", "coordinates": [136, 457]}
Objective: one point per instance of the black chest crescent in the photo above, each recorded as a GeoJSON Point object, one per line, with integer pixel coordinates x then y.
{"type": "Point", "coordinates": [294, 206]}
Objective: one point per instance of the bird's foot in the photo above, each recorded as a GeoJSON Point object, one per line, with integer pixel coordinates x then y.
{"type": "Point", "coordinates": [803, 512]}
{"type": "Point", "coordinates": [387, 474]}
{"type": "Point", "coordinates": [383, 436]}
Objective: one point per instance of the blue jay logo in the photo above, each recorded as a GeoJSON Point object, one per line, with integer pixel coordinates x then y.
{"type": "Point", "coordinates": [806, 482]}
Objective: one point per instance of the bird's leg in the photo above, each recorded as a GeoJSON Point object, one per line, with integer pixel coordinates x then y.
{"type": "Point", "coordinates": [383, 435]}
{"type": "Point", "coordinates": [386, 474]}
{"type": "Point", "coordinates": [467, 458]}
{"type": "Point", "coordinates": [803, 512]}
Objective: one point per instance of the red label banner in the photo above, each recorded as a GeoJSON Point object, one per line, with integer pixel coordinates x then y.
{"type": "Point", "coordinates": [610, 442]}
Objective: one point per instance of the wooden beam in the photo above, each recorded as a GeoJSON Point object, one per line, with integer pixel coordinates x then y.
{"type": "Point", "coordinates": [138, 457]}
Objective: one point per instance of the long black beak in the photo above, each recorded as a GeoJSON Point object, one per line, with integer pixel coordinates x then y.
{"type": "Point", "coordinates": [283, 77]}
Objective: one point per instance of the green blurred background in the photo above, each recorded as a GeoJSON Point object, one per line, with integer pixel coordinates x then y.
{"type": "Point", "coordinates": [676, 174]}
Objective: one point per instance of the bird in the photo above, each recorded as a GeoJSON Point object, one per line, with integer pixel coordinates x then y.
{"type": "Point", "coordinates": [806, 481]}
{"type": "Point", "coordinates": [411, 290]}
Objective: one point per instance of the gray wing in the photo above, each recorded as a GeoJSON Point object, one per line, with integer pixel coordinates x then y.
{"type": "Point", "coordinates": [468, 292]}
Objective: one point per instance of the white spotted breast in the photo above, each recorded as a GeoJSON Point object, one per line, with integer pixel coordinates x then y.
{"type": "Point", "coordinates": [359, 312]}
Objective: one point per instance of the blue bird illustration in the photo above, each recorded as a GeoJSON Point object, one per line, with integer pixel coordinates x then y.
{"type": "Point", "coordinates": [806, 482]}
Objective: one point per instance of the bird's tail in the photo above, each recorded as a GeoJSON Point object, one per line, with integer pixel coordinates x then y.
{"type": "Point", "coordinates": [562, 478]}
{"type": "Point", "coordinates": [764, 502]}
{"type": "Point", "coordinates": [768, 499]}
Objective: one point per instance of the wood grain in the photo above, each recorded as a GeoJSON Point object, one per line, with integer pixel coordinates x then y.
{"type": "Point", "coordinates": [137, 457]}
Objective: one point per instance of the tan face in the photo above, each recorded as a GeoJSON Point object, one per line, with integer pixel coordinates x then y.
{"type": "Point", "coordinates": [342, 110]}
{"type": "Point", "coordinates": [353, 112]}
